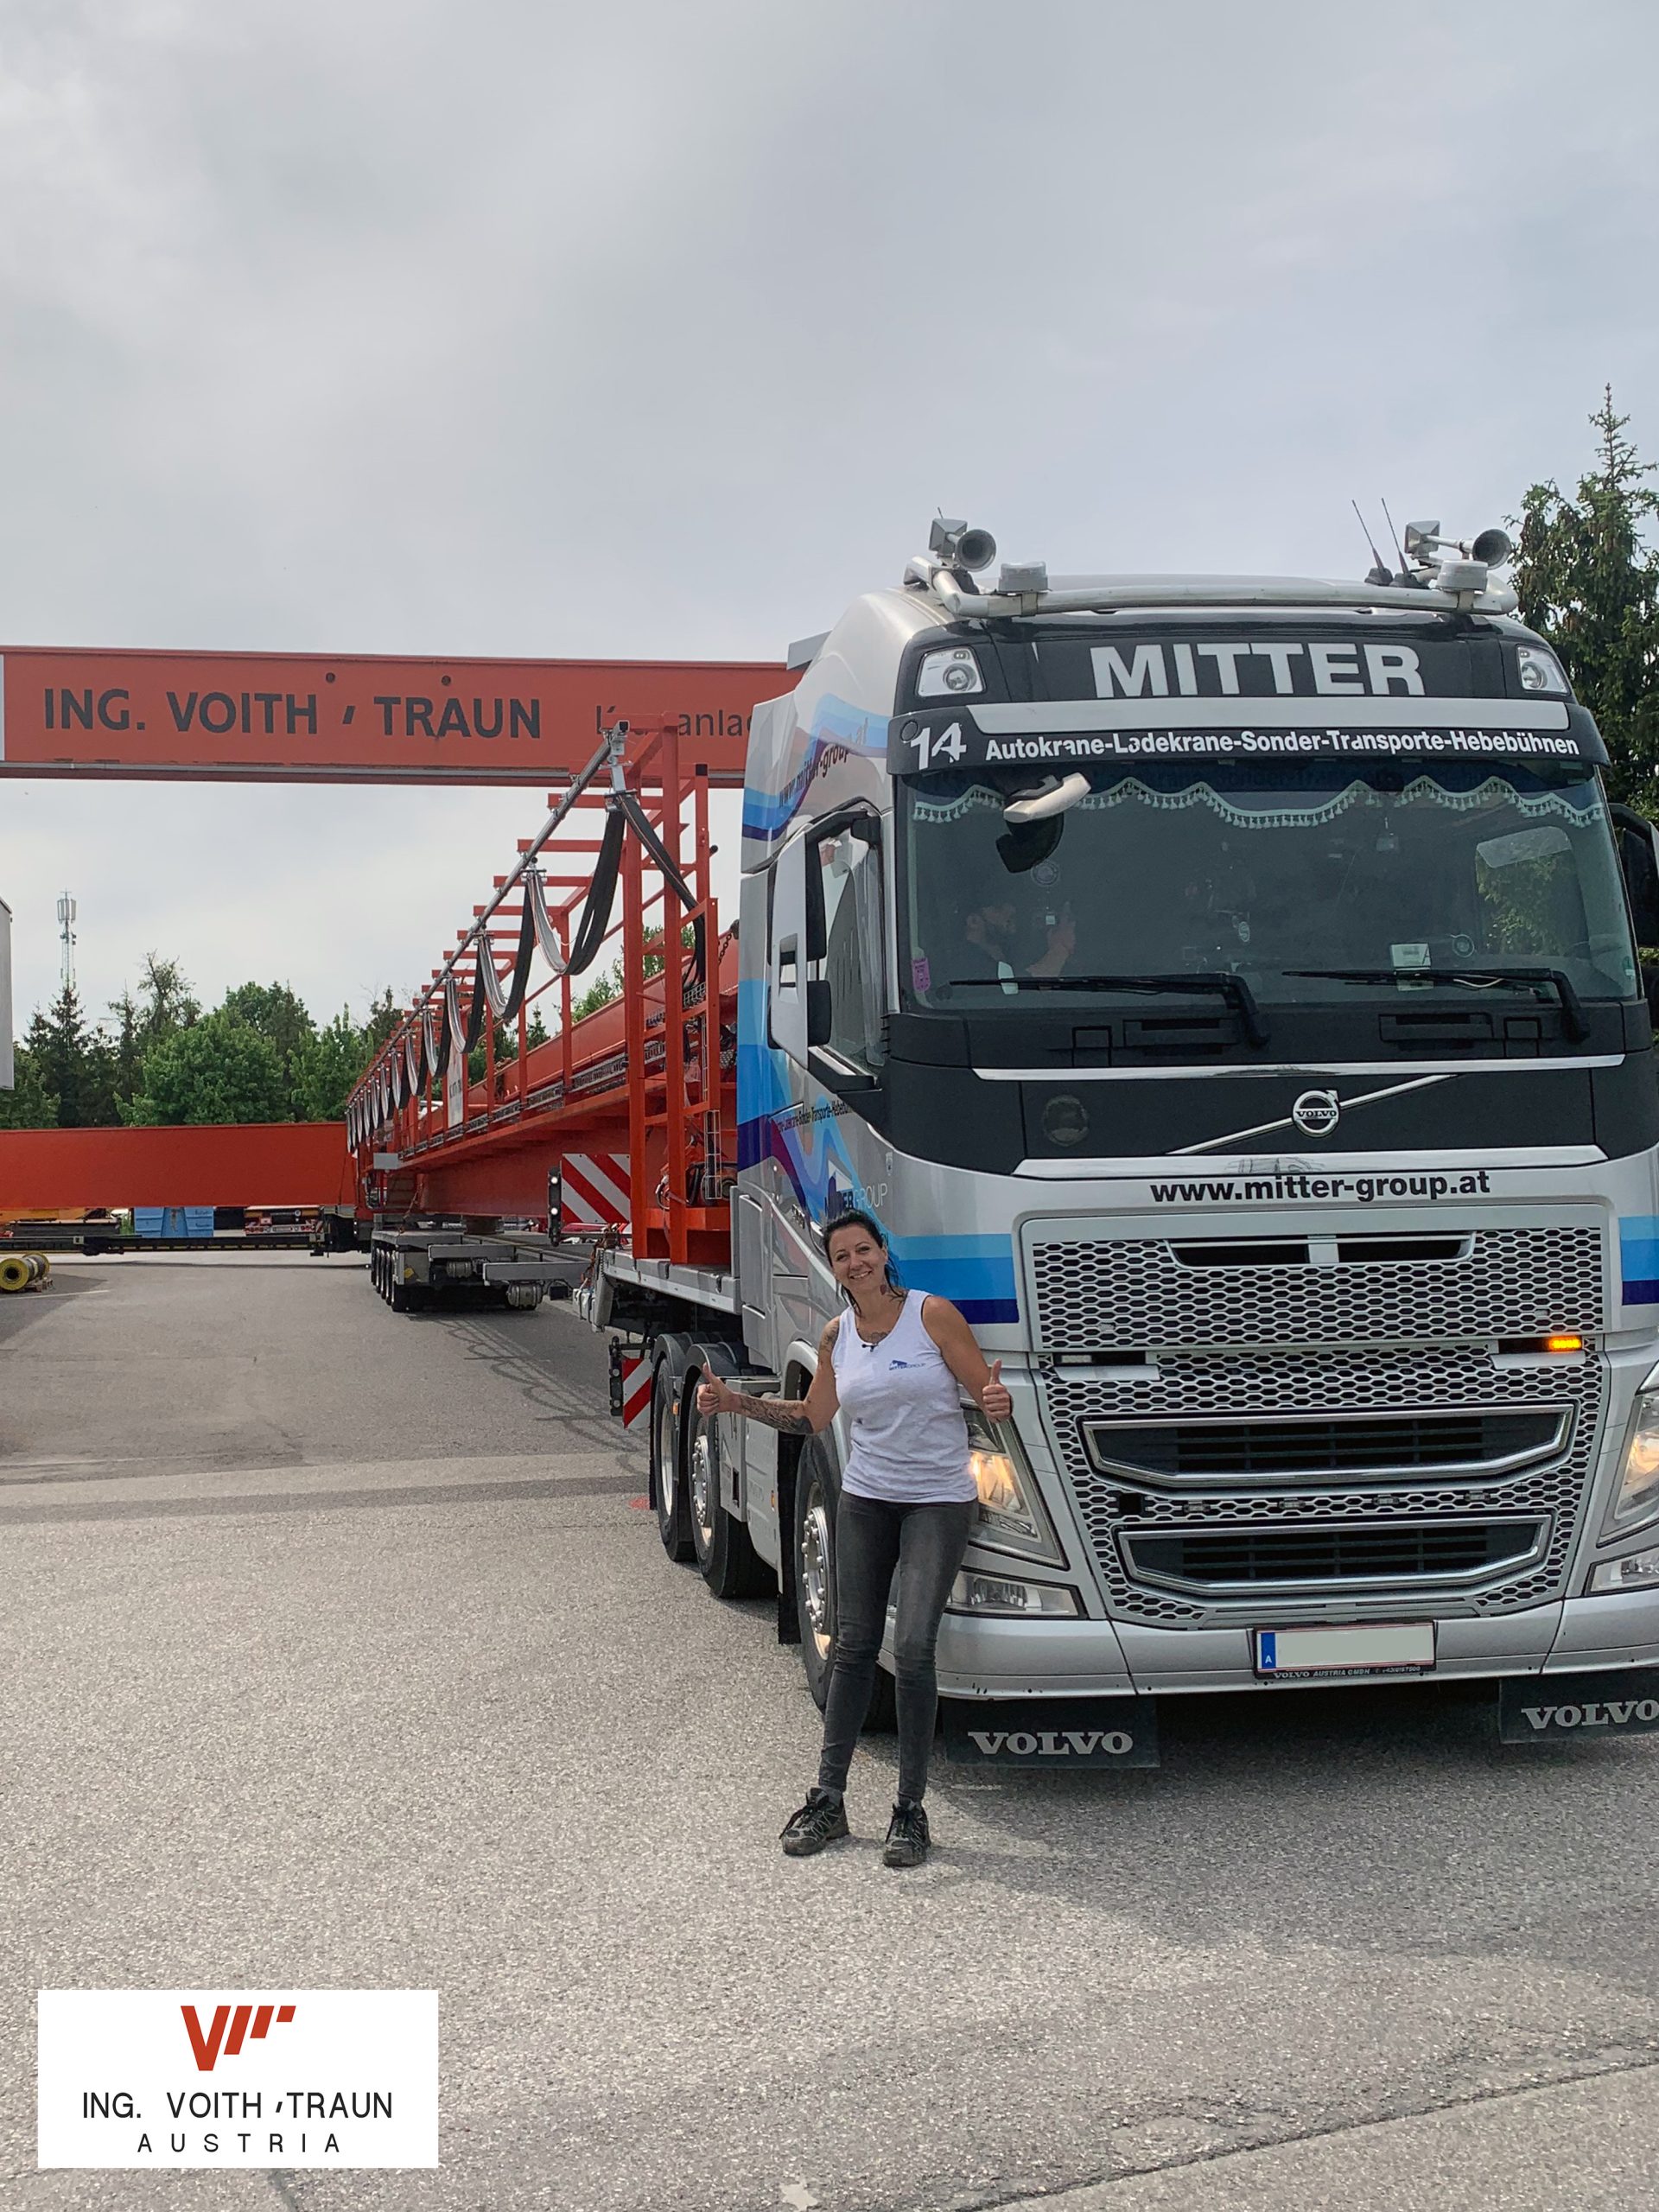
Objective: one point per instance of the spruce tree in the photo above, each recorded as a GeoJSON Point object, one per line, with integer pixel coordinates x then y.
{"type": "Point", "coordinates": [1588, 580]}
{"type": "Point", "coordinates": [70, 1062]}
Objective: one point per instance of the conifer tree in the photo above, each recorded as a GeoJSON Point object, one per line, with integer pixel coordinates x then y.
{"type": "Point", "coordinates": [1587, 577]}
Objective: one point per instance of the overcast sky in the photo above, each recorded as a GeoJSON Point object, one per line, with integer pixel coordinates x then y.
{"type": "Point", "coordinates": [521, 327]}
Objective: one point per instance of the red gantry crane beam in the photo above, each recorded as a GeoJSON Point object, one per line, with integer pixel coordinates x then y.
{"type": "Point", "coordinates": [648, 1077]}
{"type": "Point", "coordinates": [357, 718]}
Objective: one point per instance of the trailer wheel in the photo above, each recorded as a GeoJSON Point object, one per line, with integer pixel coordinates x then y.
{"type": "Point", "coordinates": [667, 1483]}
{"type": "Point", "coordinates": [725, 1557]}
{"type": "Point", "coordinates": [397, 1295]}
{"type": "Point", "coordinates": [524, 1297]}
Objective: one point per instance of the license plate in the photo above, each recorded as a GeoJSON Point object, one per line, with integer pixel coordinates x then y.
{"type": "Point", "coordinates": [1375, 1648]}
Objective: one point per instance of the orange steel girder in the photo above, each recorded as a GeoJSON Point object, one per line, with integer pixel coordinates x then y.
{"type": "Point", "coordinates": [252, 1163]}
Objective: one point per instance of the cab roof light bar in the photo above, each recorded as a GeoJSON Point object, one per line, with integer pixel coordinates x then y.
{"type": "Point", "coordinates": [1443, 576]}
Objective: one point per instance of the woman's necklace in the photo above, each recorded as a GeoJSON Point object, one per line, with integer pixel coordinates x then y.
{"type": "Point", "coordinates": [897, 1298]}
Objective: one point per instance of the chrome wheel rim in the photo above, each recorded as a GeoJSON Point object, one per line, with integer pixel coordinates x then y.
{"type": "Point", "coordinates": [815, 1568]}
{"type": "Point", "coordinates": [665, 1472]}
{"type": "Point", "coordinates": [702, 1486]}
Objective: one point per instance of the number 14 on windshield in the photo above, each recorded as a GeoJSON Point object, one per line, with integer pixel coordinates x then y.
{"type": "Point", "coordinates": [948, 745]}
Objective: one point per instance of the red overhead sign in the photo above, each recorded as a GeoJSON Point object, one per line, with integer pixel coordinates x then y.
{"type": "Point", "coordinates": [355, 717]}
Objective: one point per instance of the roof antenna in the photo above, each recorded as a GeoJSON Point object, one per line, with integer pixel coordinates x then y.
{"type": "Point", "coordinates": [1405, 574]}
{"type": "Point", "coordinates": [1379, 573]}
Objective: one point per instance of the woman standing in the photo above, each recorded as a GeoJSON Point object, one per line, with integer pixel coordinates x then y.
{"type": "Point", "coordinates": [897, 1361]}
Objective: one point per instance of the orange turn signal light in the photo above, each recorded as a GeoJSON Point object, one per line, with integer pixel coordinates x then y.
{"type": "Point", "coordinates": [1564, 1342]}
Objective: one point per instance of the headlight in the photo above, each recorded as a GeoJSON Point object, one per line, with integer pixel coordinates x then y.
{"type": "Point", "coordinates": [1002, 1595]}
{"type": "Point", "coordinates": [1011, 1516]}
{"type": "Point", "coordinates": [1638, 1488]}
{"type": "Point", "coordinates": [948, 675]}
{"type": "Point", "coordinates": [1640, 1571]}
{"type": "Point", "coordinates": [1540, 672]}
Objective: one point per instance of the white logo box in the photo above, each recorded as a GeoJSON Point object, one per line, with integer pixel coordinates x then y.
{"type": "Point", "coordinates": [226, 2077]}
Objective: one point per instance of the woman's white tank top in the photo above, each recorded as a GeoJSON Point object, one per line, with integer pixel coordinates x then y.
{"type": "Point", "coordinates": [910, 1440]}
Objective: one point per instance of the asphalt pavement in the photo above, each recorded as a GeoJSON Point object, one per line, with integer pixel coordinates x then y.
{"type": "Point", "coordinates": [339, 1651]}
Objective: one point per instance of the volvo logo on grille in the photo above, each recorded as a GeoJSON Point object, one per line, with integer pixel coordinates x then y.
{"type": "Point", "coordinates": [1315, 1113]}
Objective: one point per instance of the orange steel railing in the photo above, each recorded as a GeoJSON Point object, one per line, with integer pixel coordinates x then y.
{"type": "Point", "coordinates": [652, 1072]}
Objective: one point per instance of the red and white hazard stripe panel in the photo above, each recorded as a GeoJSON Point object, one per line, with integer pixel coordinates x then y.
{"type": "Point", "coordinates": [595, 1190]}
{"type": "Point", "coordinates": [636, 1389]}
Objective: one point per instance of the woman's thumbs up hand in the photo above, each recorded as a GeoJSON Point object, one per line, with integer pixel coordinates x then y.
{"type": "Point", "coordinates": [993, 1400]}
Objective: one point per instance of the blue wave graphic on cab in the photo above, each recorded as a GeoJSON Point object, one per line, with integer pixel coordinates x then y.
{"type": "Point", "coordinates": [1638, 1258]}
{"type": "Point", "coordinates": [767, 815]}
{"type": "Point", "coordinates": [975, 1273]}
{"type": "Point", "coordinates": [772, 1125]}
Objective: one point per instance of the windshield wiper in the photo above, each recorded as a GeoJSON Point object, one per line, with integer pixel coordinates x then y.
{"type": "Point", "coordinates": [1573, 1015]}
{"type": "Point", "coordinates": [1221, 980]}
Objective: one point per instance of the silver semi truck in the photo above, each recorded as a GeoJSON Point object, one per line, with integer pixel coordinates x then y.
{"type": "Point", "coordinates": [1226, 990]}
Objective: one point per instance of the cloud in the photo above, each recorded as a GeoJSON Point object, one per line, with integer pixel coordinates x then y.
{"type": "Point", "coordinates": [661, 331]}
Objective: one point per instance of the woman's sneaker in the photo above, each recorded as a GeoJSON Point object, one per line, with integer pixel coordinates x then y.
{"type": "Point", "coordinates": [822, 1820]}
{"type": "Point", "coordinates": [907, 1837]}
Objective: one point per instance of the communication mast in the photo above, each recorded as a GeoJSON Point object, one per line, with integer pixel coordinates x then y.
{"type": "Point", "coordinates": [66, 933]}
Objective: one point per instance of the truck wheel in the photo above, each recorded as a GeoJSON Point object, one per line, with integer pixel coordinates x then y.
{"type": "Point", "coordinates": [725, 1557]}
{"type": "Point", "coordinates": [817, 1498]}
{"type": "Point", "coordinates": [667, 1486]}
{"type": "Point", "coordinates": [397, 1295]}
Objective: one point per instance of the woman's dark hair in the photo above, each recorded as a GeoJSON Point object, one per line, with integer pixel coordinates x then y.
{"type": "Point", "coordinates": [856, 1217]}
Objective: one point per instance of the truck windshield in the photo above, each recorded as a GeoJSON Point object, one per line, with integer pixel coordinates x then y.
{"type": "Point", "coordinates": [1261, 872]}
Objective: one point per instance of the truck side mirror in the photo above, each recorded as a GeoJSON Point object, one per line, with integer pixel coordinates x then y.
{"type": "Point", "coordinates": [818, 932]}
{"type": "Point", "coordinates": [1638, 854]}
{"type": "Point", "coordinates": [818, 1015]}
{"type": "Point", "coordinates": [789, 929]}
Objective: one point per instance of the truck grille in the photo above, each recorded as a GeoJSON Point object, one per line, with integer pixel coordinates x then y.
{"type": "Point", "coordinates": [1101, 1292]}
{"type": "Point", "coordinates": [1379, 1448]}
{"type": "Point", "coordinates": [1458, 1394]}
{"type": "Point", "coordinates": [1237, 1561]}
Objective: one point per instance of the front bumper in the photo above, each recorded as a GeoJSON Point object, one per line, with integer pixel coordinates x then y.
{"type": "Point", "coordinates": [1019, 1658]}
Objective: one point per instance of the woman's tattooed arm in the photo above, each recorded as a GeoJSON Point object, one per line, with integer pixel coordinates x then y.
{"type": "Point", "coordinates": [788, 1414]}
{"type": "Point", "coordinates": [794, 1416]}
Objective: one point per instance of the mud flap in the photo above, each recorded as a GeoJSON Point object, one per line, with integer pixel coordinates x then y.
{"type": "Point", "coordinates": [1050, 1732]}
{"type": "Point", "coordinates": [1611, 1702]}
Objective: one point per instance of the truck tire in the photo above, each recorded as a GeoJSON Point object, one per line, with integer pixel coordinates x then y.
{"type": "Point", "coordinates": [726, 1559]}
{"type": "Point", "coordinates": [817, 1493]}
{"type": "Point", "coordinates": [667, 1482]}
{"type": "Point", "coordinates": [818, 1500]}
